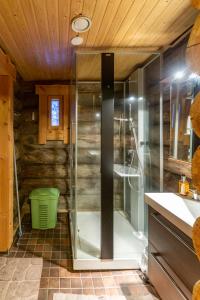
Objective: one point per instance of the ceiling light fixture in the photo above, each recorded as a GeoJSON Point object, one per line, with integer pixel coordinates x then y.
{"type": "Point", "coordinates": [77, 40]}
{"type": "Point", "coordinates": [80, 23]}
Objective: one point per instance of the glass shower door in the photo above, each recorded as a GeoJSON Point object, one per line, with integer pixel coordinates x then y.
{"type": "Point", "coordinates": [88, 150]}
{"type": "Point", "coordinates": [132, 169]}
{"type": "Point", "coordinates": [129, 241]}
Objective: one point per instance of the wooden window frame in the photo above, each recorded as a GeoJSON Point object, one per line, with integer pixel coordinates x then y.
{"type": "Point", "coordinates": [46, 131]}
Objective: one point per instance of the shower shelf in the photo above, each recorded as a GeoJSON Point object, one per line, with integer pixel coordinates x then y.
{"type": "Point", "coordinates": [125, 171]}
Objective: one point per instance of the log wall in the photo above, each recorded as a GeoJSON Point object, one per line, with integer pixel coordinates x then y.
{"type": "Point", "coordinates": [88, 152]}
{"type": "Point", "coordinates": [38, 165]}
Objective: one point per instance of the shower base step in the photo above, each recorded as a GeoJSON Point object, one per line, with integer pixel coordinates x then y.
{"type": "Point", "coordinates": [128, 243]}
{"type": "Point", "coordinates": [98, 264]}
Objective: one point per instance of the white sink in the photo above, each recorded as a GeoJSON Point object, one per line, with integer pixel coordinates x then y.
{"type": "Point", "coordinates": [193, 207]}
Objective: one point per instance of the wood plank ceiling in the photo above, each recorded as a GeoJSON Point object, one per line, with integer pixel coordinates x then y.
{"type": "Point", "coordinates": [37, 33]}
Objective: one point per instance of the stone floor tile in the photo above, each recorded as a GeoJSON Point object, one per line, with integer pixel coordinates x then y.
{"type": "Point", "coordinates": [43, 294]}
{"type": "Point", "coordinates": [65, 283]}
{"type": "Point", "coordinates": [100, 292]}
{"type": "Point", "coordinates": [51, 293]}
{"type": "Point", "coordinates": [44, 283]}
{"type": "Point", "coordinates": [54, 283]}
{"type": "Point", "coordinates": [76, 283]}
{"type": "Point", "coordinates": [88, 292]}
{"type": "Point", "coordinates": [87, 283]}
{"type": "Point", "coordinates": [98, 282]}
{"type": "Point", "coordinates": [109, 282]}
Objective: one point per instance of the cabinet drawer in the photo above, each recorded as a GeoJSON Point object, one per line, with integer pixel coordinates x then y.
{"type": "Point", "coordinates": [163, 281]}
{"type": "Point", "coordinates": [175, 248]}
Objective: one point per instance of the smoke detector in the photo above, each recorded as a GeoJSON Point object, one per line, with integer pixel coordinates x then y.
{"type": "Point", "coordinates": [77, 40]}
{"type": "Point", "coordinates": [81, 24]}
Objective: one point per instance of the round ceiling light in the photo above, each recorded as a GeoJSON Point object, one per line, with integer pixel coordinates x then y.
{"type": "Point", "coordinates": [81, 24]}
{"type": "Point", "coordinates": [77, 40]}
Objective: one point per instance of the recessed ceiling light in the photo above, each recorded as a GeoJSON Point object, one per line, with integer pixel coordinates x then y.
{"type": "Point", "coordinates": [77, 40]}
{"type": "Point", "coordinates": [81, 24]}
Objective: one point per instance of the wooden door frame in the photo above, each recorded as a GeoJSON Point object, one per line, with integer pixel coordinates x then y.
{"type": "Point", "coordinates": [7, 77]}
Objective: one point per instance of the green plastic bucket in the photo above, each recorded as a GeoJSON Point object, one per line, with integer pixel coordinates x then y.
{"type": "Point", "coordinates": [44, 203]}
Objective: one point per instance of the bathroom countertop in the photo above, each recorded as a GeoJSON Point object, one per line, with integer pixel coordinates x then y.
{"type": "Point", "coordinates": [180, 211]}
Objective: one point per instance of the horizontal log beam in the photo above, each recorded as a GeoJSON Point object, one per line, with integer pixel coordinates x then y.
{"type": "Point", "coordinates": [178, 167]}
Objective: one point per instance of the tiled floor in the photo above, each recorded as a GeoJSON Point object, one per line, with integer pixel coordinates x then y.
{"type": "Point", "coordinates": [58, 275]}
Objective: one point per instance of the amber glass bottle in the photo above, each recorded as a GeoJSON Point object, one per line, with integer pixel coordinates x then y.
{"type": "Point", "coordinates": [183, 187]}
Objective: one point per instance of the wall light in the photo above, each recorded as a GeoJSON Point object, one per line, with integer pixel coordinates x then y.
{"type": "Point", "coordinates": [193, 76]}
{"type": "Point", "coordinates": [179, 75]}
{"type": "Point", "coordinates": [140, 98]}
{"type": "Point", "coordinates": [131, 98]}
{"type": "Point", "coordinates": [97, 115]}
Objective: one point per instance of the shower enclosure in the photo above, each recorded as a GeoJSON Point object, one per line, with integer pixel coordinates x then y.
{"type": "Point", "coordinates": [110, 155]}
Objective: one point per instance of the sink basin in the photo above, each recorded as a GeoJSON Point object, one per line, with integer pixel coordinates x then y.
{"type": "Point", "coordinates": [193, 207]}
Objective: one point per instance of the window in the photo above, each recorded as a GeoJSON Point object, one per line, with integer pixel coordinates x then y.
{"type": "Point", "coordinates": [55, 112]}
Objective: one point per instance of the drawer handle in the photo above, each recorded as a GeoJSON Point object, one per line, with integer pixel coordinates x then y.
{"type": "Point", "coordinates": [154, 255]}
{"type": "Point", "coordinates": [155, 216]}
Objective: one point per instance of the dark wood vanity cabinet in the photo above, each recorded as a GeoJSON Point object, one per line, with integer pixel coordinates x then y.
{"type": "Point", "coordinates": [173, 267]}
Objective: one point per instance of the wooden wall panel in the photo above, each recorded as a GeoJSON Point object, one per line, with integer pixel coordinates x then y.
{"type": "Point", "coordinates": [6, 162]}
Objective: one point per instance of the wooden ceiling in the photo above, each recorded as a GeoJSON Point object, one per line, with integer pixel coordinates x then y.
{"type": "Point", "coordinates": [37, 33]}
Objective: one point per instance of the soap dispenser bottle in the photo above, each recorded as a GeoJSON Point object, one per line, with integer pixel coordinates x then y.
{"type": "Point", "coordinates": [183, 186]}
